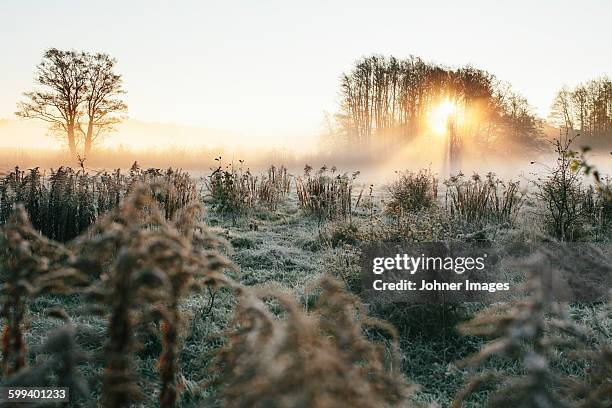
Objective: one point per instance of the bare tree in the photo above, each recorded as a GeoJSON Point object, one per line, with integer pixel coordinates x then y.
{"type": "Point", "coordinates": [75, 87]}
{"type": "Point", "coordinates": [561, 112]}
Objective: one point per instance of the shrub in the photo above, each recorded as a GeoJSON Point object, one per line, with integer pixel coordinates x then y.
{"type": "Point", "coordinates": [412, 191]}
{"type": "Point", "coordinates": [563, 195]}
{"type": "Point", "coordinates": [229, 191]}
{"type": "Point", "coordinates": [234, 191]}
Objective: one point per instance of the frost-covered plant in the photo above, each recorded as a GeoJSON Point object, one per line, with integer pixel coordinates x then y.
{"type": "Point", "coordinates": [66, 202]}
{"type": "Point", "coordinates": [325, 194]}
{"type": "Point", "coordinates": [562, 193]}
{"type": "Point", "coordinates": [478, 200]}
{"type": "Point", "coordinates": [273, 187]}
{"type": "Point", "coordinates": [531, 331]}
{"type": "Point", "coordinates": [232, 190]}
{"type": "Point", "coordinates": [146, 265]}
{"type": "Point", "coordinates": [412, 191]}
{"type": "Point", "coordinates": [320, 358]}
{"type": "Point", "coordinates": [32, 265]}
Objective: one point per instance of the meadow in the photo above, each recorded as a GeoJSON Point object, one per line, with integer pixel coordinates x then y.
{"type": "Point", "coordinates": [151, 287]}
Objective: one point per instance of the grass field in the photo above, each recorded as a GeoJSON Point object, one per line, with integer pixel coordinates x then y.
{"type": "Point", "coordinates": [287, 249]}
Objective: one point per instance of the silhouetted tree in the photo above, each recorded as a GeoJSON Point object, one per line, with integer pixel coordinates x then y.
{"type": "Point", "coordinates": [75, 86]}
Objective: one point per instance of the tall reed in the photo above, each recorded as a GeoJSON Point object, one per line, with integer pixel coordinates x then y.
{"type": "Point", "coordinates": [325, 194]}
{"type": "Point", "coordinates": [478, 201]}
{"type": "Point", "coordinates": [33, 265]}
{"type": "Point", "coordinates": [65, 202]}
{"type": "Point", "coordinates": [320, 359]}
{"type": "Point", "coordinates": [146, 265]}
{"type": "Point", "coordinates": [234, 191]}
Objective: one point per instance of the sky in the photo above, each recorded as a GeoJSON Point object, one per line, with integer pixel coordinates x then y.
{"type": "Point", "coordinates": [270, 69]}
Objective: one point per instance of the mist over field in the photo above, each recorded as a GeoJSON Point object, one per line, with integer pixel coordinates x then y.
{"type": "Point", "coordinates": [28, 144]}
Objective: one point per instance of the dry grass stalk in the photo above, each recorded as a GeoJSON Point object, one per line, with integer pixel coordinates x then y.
{"type": "Point", "coordinates": [66, 202]}
{"type": "Point", "coordinates": [147, 263]}
{"type": "Point", "coordinates": [34, 265]}
{"type": "Point", "coordinates": [325, 194]}
{"type": "Point", "coordinates": [273, 187]}
{"type": "Point", "coordinates": [530, 331]}
{"type": "Point", "coordinates": [316, 359]}
{"type": "Point", "coordinates": [478, 201]}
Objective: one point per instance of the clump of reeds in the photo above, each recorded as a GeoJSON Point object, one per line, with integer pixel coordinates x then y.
{"type": "Point", "coordinates": [59, 205]}
{"type": "Point", "coordinates": [147, 264]}
{"type": "Point", "coordinates": [109, 189]}
{"type": "Point", "coordinates": [412, 191]}
{"type": "Point", "coordinates": [19, 186]}
{"type": "Point", "coordinates": [65, 202]}
{"type": "Point", "coordinates": [273, 187]}
{"type": "Point", "coordinates": [478, 201]}
{"type": "Point", "coordinates": [70, 204]}
{"type": "Point", "coordinates": [280, 178]}
{"type": "Point", "coordinates": [322, 358]}
{"type": "Point", "coordinates": [234, 191]}
{"type": "Point", "coordinates": [33, 265]}
{"type": "Point", "coordinates": [325, 194]}
{"type": "Point", "coordinates": [181, 189]}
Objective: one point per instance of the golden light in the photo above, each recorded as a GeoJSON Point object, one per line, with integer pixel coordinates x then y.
{"type": "Point", "coordinates": [439, 115]}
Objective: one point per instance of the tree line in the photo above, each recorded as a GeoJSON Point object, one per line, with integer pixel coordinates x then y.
{"type": "Point", "coordinates": [388, 100]}
{"type": "Point", "coordinates": [587, 109]}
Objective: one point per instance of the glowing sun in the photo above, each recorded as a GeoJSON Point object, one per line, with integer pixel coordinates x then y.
{"type": "Point", "coordinates": [439, 115]}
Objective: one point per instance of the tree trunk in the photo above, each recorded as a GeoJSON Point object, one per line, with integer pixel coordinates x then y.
{"type": "Point", "coordinates": [72, 142]}
{"type": "Point", "coordinates": [88, 139]}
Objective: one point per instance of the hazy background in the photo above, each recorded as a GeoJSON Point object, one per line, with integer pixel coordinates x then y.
{"type": "Point", "coordinates": [263, 73]}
